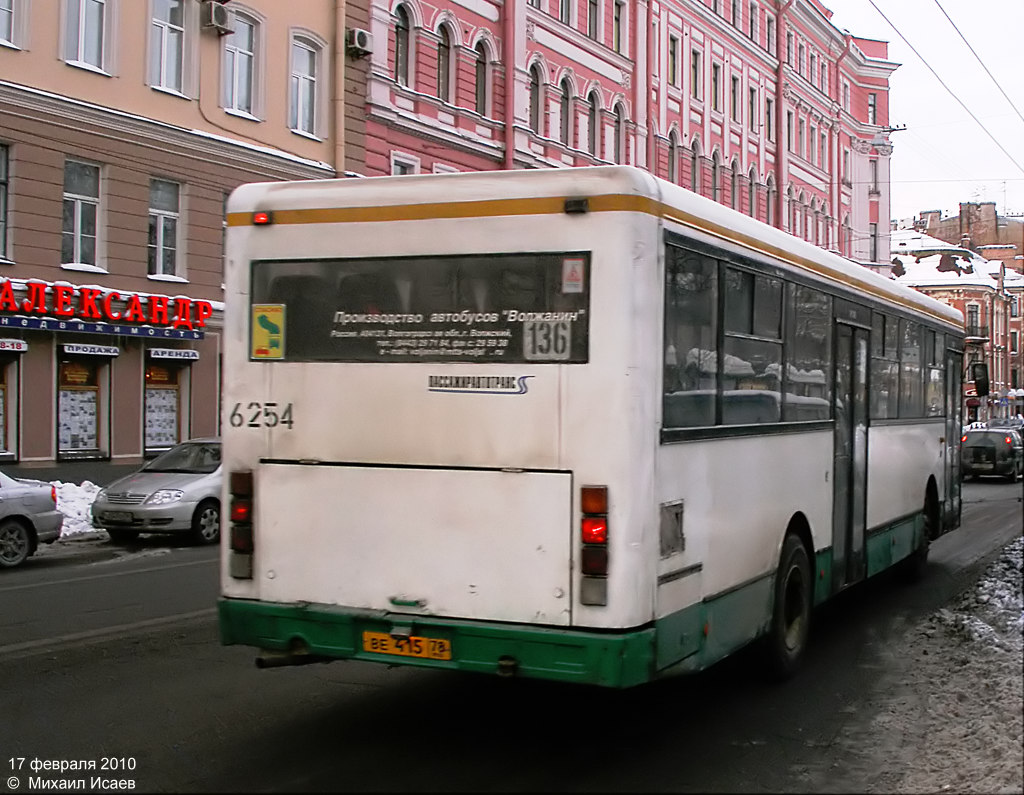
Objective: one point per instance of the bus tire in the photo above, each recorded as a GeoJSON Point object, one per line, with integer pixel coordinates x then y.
{"type": "Point", "coordinates": [786, 641]}
{"type": "Point", "coordinates": [913, 567]}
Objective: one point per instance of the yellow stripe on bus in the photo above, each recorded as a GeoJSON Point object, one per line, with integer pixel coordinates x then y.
{"type": "Point", "coordinates": [555, 205]}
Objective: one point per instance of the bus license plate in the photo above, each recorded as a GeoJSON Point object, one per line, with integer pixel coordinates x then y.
{"type": "Point", "coordinates": [412, 646]}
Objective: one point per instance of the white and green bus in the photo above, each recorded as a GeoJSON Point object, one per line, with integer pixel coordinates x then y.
{"type": "Point", "coordinates": [572, 424]}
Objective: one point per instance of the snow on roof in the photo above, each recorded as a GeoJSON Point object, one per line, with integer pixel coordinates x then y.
{"type": "Point", "coordinates": [930, 262]}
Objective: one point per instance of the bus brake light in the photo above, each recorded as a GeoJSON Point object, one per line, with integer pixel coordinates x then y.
{"type": "Point", "coordinates": [595, 530]}
{"type": "Point", "coordinates": [241, 510]}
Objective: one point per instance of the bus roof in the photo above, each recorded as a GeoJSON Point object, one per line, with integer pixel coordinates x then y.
{"type": "Point", "coordinates": [528, 192]}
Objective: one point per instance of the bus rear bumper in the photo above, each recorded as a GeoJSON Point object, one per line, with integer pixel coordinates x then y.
{"type": "Point", "coordinates": [298, 633]}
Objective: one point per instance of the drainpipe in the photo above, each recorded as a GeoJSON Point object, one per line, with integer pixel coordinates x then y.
{"type": "Point", "coordinates": [338, 89]}
{"type": "Point", "coordinates": [780, 150]}
{"type": "Point", "coordinates": [508, 32]}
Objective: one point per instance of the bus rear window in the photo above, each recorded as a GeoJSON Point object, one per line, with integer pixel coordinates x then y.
{"type": "Point", "coordinates": [513, 308]}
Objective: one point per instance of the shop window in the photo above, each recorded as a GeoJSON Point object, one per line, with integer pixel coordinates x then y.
{"type": "Point", "coordinates": [81, 406]}
{"type": "Point", "coordinates": [162, 411]}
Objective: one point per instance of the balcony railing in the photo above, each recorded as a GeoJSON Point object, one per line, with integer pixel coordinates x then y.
{"type": "Point", "coordinates": [974, 330]}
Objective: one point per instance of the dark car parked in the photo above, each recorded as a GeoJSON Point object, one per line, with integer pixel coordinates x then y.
{"type": "Point", "coordinates": [992, 451]}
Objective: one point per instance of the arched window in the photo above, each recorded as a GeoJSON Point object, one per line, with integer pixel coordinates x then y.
{"type": "Point", "coordinates": [716, 178]}
{"type": "Point", "coordinates": [481, 79]}
{"type": "Point", "coordinates": [444, 63]}
{"type": "Point", "coordinates": [771, 197]}
{"type": "Point", "coordinates": [695, 167]}
{"type": "Point", "coordinates": [535, 99]}
{"type": "Point", "coordinates": [752, 194]}
{"type": "Point", "coordinates": [401, 46]}
{"type": "Point", "coordinates": [812, 222]}
{"type": "Point", "coordinates": [620, 134]}
{"type": "Point", "coordinates": [565, 113]}
{"type": "Point", "coordinates": [734, 185]}
{"type": "Point", "coordinates": [673, 158]}
{"type": "Point", "coordinates": [791, 202]}
{"type": "Point", "coordinates": [593, 131]}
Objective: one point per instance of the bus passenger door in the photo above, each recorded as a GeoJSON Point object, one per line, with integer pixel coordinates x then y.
{"type": "Point", "coordinates": [954, 428]}
{"type": "Point", "coordinates": [849, 484]}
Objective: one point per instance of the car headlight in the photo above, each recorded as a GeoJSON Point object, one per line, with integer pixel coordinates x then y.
{"type": "Point", "coordinates": [164, 496]}
{"type": "Point", "coordinates": [100, 495]}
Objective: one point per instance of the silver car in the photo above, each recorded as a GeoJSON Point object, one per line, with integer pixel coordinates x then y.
{"type": "Point", "coordinates": [28, 518]}
{"type": "Point", "coordinates": [176, 492]}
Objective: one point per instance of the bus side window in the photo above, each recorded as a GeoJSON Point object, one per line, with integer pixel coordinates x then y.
{"type": "Point", "coordinates": [371, 293]}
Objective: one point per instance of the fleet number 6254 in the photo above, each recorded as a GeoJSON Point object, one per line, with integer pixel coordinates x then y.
{"type": "Point", "coordinates": [261, 415]}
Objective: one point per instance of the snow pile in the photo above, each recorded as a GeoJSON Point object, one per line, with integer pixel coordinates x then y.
{"type": "Point", "coordinates": [963, 730]}
{"type": "Point", "coordinates": [992, 615]}
{"type": "Point", "coordinates": [74, 501]}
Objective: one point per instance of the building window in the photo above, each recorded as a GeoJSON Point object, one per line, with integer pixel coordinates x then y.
{"type": "Point", "coordinates": [481, 79]}
{"type": "Point", "coordinates": [164, 212]}
{"type": "Point", "coordinates": [402, 164]}
{"type": "Point", "coordinates": [789, 130]}
{"type": "Point", "coordinates": [1014, 299]}
{"type": "Point", "coordinates": [752, 109]}
{"type": "Point", "coordinates": [81, 213]}
{"type": "Point", "coordinates": [564, 7]}
{"type": "Point", "coordinates": [535, 99]}
{"type": "Point", "coordinates": [872, 108]}
{"type": "Point", "coordinates": [240, 65]}
{"type": "Point", "coordinates": [800, 139]}
{"type": "Point", "coordinates": [673, 159]}
{"type": "Point", "coordinates": [812, 149]}
{"type": "Point", "coordinates": [1013, 342]}
{"type": "Point", "coordinates": [85, 32]}
{"type": "Point", "coordinates": [846, 167]}
{"type": "Point", "coordinates": [734, 185]}
{"type": "Point", "coordinates": [593, 14]}
{"type": "Point", "coordinates": [673, 60]}
{"type": "Point", "coordinates": [7, 24]}
{"type": "Point", "coordinates": [444, 64]}
{"type": "Point", "coordinates": [771, 197]}
{"type": "Point", "coordinates": [800, 52]}
{"type": "Point", "coordinates": [769, 33]}
{"type": "Point", "coordinates": [620, 134]}
{"type": "Point", "coordinates": [716, 86]}
{"type": "Point", "coordinates": [873, 176]}
{"type": "Point", "coordinates": [4, 252]}
{"type": "Point", "coordinates": [823, 78]}
{"type": "Point", "coordinates": [846, 97]}
{"type": "Point", "coordinates": [401, 46]}
{"type": "Point", "coordinates": [752, 195]}
{"type": "Point", "coordinates": [593, 137]}
{"type": "Point", "coordinates": [734, 99]}
{"type": "Point", "coordinates": [873, 235]}
{"type": "Point", "coordinates": [565, 114]}
{"type": "Point", "coordinates": [789, 49]}
{"type": "Point", "coordinates": [823, 150]}
{"type": "Point", "coordinates": [302, 112]}
{"type": "Point", "coordinates": [812, 72]}
{"type": "Point", "coordinates": [769, 118]}
{"type": "Point", "coordinates": [716, 178]}
{"type": "Point", "coordinates": [735, 13]}
{"type": "Point", "coordinates": [618, 33]}
{"type": "Point", "coordinates": [695, 168]}
{"type": "Point", "coordinates": [167, 45]}
{"type": "Point", "coordinates": [695, 74]}
{"type": "Point", "coordinates": [752, 22]}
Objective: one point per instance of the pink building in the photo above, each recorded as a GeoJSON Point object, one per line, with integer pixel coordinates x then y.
{"type": "Point", "coordinates": [762, 104]}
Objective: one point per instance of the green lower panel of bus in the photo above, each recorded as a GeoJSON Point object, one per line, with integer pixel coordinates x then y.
{"type": "Point", "coordinates": [610, 659]}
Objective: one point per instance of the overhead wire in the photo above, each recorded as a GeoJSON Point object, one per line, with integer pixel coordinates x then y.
{"type": "Point", "coordinates": [948, 89]}
{"type": "Point", "coordinates": [978, 57]}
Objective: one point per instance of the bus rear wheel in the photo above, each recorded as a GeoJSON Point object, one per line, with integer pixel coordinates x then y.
{"type": "Point", "coordinates": [788, 633]}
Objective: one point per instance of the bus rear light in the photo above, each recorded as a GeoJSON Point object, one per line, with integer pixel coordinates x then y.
{"type": "Point", "coordinates": [241, 510]}
{"type": "Point", "coordinates": [241, 538]}
{"type": "Point", "coordinates": [262, 218]}
{"type": "Point", "coordinates": [241, 483]}
{"type": "Point", "coordinates": [594, 530]}
{"type": "Point", "coordinates": [594, 499]}
{"type": "Point", "coordinates": [594, 561]}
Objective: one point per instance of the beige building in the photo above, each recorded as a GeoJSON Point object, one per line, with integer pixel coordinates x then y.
{"type": "Point", "coordinates": [124, 125]}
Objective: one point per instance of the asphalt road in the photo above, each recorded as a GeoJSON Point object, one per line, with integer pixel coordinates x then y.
{"type": "Point", "coordinates": [109, 655]}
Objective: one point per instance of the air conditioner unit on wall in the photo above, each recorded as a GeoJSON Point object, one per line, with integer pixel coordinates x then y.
{"type": "Point", "coordinates": [215, 16]}
{"type": "Point", "coordinates": [360, 42]}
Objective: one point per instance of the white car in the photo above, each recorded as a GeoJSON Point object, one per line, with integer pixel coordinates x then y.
{"type": "Point", "coordinates": [28, 518]}
{"type": "Point", "coordinates": [176, 492]}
